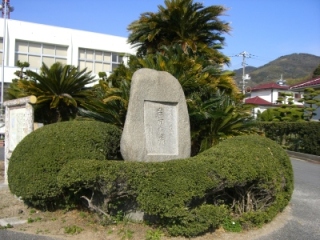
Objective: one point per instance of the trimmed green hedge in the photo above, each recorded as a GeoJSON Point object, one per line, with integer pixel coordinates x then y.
{"type": "Point", "coordinates": [295, 136]}
{"type": "Point", "coordinates": [38, 158]}
{"type": "Point", "coordinates": [249, 178]}
{"type": "Point", "coordinates": [258, 167]}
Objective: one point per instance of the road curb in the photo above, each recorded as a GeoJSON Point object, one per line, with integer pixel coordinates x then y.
{"type": "Point", "coordinates": [304, 156]}
{"type": "Point", "coordinates": [12, 221]}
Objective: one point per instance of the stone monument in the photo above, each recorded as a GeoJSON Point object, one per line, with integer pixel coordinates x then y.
{"type": "Point", "coordinates": [157, 126]}
{"type": "Point", "coordinates": [19, 123]}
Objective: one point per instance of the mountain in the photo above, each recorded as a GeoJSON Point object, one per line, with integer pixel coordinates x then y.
{"type": "Point", "coordinates": [293, 68]}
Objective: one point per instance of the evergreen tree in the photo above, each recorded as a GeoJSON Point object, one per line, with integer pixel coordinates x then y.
{"type": "Point", "coordinates": [311, 103]}
{"type": "Point", "coordinates": [316, 72]}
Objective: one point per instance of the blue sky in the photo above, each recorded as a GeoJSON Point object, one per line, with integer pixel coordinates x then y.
{"type": "Point", "coordinates": [267, 29]}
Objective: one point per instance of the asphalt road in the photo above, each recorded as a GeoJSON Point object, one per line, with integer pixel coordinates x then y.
{"type": "Point", "coordinates": [302, 224]}
{"type": "Point", "coordinates": [11, 235]}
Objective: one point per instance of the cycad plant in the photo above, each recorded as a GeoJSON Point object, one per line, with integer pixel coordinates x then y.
{"type": "Point", "coordinates": [219, 117]}
{"type": "Point", "coordinates": [110, 97]}
{"type": "Point", "coordinates": [192, 70]}
{"type": "Point", "coordinates": [109, 103]}
{"type": "Point", "coordinates": [60, 90]}
{"type": "Point", "coordinates": [182, 38]}
{"type": "Point", "coordinates": [184, 22]}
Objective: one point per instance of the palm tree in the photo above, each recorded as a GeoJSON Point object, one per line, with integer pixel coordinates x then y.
{"type": "Point", "coordinates": [217, 118]}
{"type": "Point", "coordinates": [194, 72]}
{"type": "Point", "coordinates": [212, 96]}
{"type": "Point", "coordinates": [182, 39]}
{"type": "Point", "coordinates": [110, 97]}
{"type": "Point", "coordinates": [181, 21]}
{"type": "Point", "coordinates": [59, 89]}
{"type": "Point", "coordinates": [111, 105]}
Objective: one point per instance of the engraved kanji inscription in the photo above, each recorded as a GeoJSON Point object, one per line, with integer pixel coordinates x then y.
{"type": "Point", "coordinates": [160, 123]}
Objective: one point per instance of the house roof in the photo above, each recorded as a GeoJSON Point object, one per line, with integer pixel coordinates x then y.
{"type": "Point", "coordinates": [310, 83]}
{"type": "Point", "coordinates": [257, 101]}
{"type": "Point", "coordinates": [271, 85]}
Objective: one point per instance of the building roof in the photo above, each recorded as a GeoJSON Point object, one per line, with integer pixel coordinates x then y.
{"type": "Point", "coordinates": [257, 101]}
{"type": "Point", "coordinates": [271, 85]}
{"type": "Point", "coordinates": [310, 83]}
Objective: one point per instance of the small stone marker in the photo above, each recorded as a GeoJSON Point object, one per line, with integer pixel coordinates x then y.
{"type": "Point", "coordinates": [19, 122]}
{"type": "Point", "coordinates": [157, 124]}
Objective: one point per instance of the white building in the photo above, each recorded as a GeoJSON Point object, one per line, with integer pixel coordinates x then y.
{"type": "Point", "coordinates": [265, 96]}
{"type": "Point", "coordinates": [37, 43]}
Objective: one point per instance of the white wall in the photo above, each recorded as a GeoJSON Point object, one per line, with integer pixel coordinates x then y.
{"type": "Point", "coordinates": [268, 95]}
{"type": "Point", "coordinates": [258, 109]}
{"type": "Point", "coordinates": [73, 39]}
{"type": "Point", "coordinates": [271, 95]}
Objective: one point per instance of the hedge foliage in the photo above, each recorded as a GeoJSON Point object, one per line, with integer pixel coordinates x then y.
{"type": "Point", "coordinates": [38, 158]}
{"type": "Point", "coordinates": [295, 136]}
{"type": "Point", "coordinates": [248, 177]}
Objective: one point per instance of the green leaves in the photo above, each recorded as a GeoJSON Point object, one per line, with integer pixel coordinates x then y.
{"type": "Point", "coordinates": [182, 22]}
{"type": "Point", "coordinates": [248, 176]}
{"type": "Point", "coordinates": [182, 38]}
{"type": "Point", "coordinates": [294, 136]}
{"type": "Point", "coordinates": [59, 89]}
{"type": "Point", "coordinates": [311, 101]}
{"type": "Point", "coordinates": [216, 119]}
{"type": "Point", "coordinates": [110, 102]}
{"type": "Point", "coordinates": [39, 157]}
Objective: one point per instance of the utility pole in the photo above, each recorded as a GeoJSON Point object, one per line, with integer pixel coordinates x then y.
{"type": "Point", "coordinates": [245, 76]}
{"type": "Point", "coordinates": [6, 9]}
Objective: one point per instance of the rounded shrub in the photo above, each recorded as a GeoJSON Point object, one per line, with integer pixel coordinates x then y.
{"type": "Point", "coordinates": [257, 175]}
{"type": "Point", "coordinates": [39, 157]}
{"type": "Point", "coordinates": [247, 179]}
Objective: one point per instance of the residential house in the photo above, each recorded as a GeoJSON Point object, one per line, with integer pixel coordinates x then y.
{"type": "Point", "coordinates": [265, 96]}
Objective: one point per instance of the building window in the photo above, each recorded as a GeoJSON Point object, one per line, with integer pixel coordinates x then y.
{"type": "Point", "coordinates": [98, 61]}
{"type": "Point", "coordinates": [297, 96]}
{"type": "Point", "coordinates": [36, 53]}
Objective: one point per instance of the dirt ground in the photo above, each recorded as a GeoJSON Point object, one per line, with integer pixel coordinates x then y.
{"type": "Point", "coordinates": [83, 225]}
